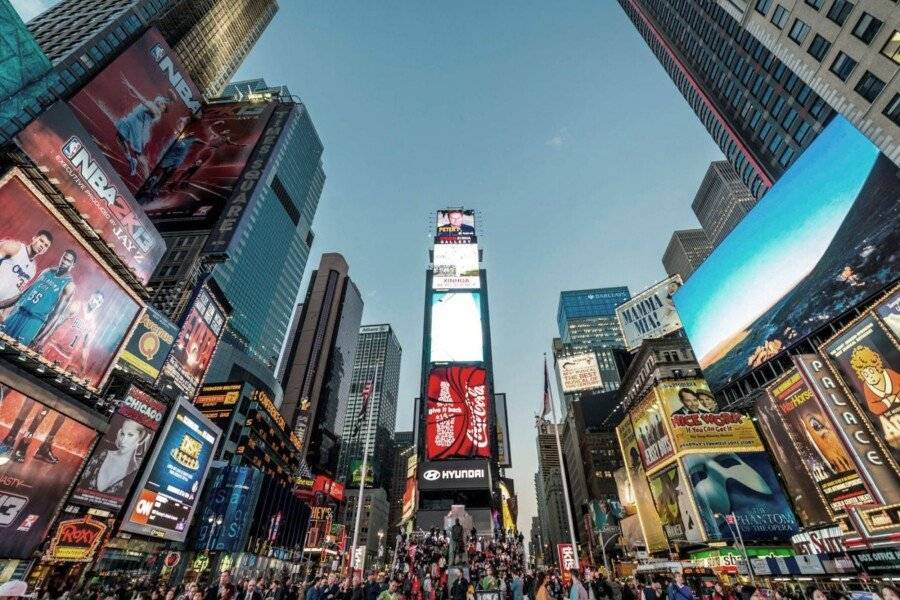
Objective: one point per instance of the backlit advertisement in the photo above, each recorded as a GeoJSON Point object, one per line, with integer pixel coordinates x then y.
{"type": "Point", "coordinates": [167, 493]}
{"type": "Point", "coordinates": [217, 402]}
{"type": "Point", "coordinates": [456, 333]}
{"type": "Point", "coordinates": [742, 483]}
{"type": "Point", "coordinates": [76, 540]}
{"type": "Point", "coordinates": [121, 452]}
{"type": "Point", "coordinates": [61, 148]}
{"type": "Point", "coordinates": [457, 414]}
{"type": "Point", "coordinates": [232, 493]}
{"type": "Point", "coordinates": [455, 226]}
{"type": "Point", "coordinates": [673, 503]}
{"type": "Point", "coordinates": [41, 452]}
{"type": "Point", "coordinates": [650, 314]}
{"type": "Point", "coordinates": [136, 107]}
{"type": "Point", "coordinates": [456, 267]}
{"type": "Point", "coordinates": [650, 431]}
{"type": "Point", "coordinates": [579, 372]}
{"type": "Point", "coordinates": [698, 423]}
{"type": "Point", "coordinates": [816, 245]}
{"type": "Point", "coordinates": [55, 297]}
{"type": "Point", "coordinates": [148, 345]}
{"type": "Point", "coordinates": [651, 526]}
{"type": "Point", "coordinates": [888, 310]}
{"type": "Point", "coordinates": [501, 419]}
{"type": "Point", "coordinates": [196, 343]}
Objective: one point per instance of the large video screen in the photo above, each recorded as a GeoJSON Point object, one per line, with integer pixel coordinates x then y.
{"type": "Point", "coordinates": [55, 297]}
{"type": "Point", "coordinates": [455, 226]}
{"type": "Point", "coordinates": [457, 414]}
{"type": "Point", "coordinates": [822, 240]}
{"type": "Point", "coordinates": [136, 107]}
{"type": "Point", "coordinates": [456, 332]}
{"type": "Point", "coordinates": [41, 452]}
{"type": "Point", "coordinates": [456, 267]}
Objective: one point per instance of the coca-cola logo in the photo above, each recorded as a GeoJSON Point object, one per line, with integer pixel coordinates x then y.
{"type": "Point", "coordinates": [477, 432]}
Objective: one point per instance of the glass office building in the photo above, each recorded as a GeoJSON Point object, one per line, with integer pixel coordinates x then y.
{"type": "Point", "coordinates": [588, 317]}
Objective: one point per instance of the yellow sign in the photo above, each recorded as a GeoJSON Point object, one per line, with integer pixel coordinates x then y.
{"type": "Point", "coordinates": [651, 526]}
{"type": "Point", "coordinates": [266, 402]}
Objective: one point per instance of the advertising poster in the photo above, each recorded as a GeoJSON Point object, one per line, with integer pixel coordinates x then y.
{"type": "Point", "coordinates": [674, 505]}
{"type": "Point", "coordinates": [806, 496]}
{"type": "Point", "coordinates": [745, 484]}
{"type": "Point", "coordinates": [167, 493]}
{"type": "Point", "coordinates": [651, 525]}
{"type": "Point", "coordinates": [457, 414]}
{"type": "Point", "coordinates": [232, 493]}
{"type": "Point", "coordinates": [356, 473]}
{"type": "Point", "coordinates": [625, 491]}
{"type": "Point", "coordinates": [697, 422]}
{"type": "Point", "coordinates": [501, 419]}
{"type": "Point", "coordinates": [41, 452]}
{"type": "Point", "coordinates": [455, 226]}
{"type": "Point", "coordinates": [821, 239]}
{"type": "Point", "coordinates": [579, 372]}
{"type": "Point", "coordinates": [650, 430]}
{"type": "Point", "coordinates": [136, 107]}
{"type": "Point", "coordinates": [867, 360]}
{"type": "Point", "coordinates": [55, 297]}
{"type": "Point", "coordinates": [64, 151]}
{"type": "Point", "coordinates": [196, 342]}
{"type": "Point", "coordinates": [196, 176]}
{"type": "Point", "coordinates": [148, 345]}
{"type": "Point", "coordinates": [409, 499]}
{"type": "Point", "coordinates": [888, 311]}
{"type": "Point", "coordinates": [456, 332]}
{"type": "Point", "coordinates": [456, 267]}
{"type": "Point", "coordinates": [121, 452]}
{"type": "Point", "coordinates": [650, 314]}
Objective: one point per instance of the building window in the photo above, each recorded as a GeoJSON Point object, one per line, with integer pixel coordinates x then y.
{"type": "Point", "coordinates": [799, 31]}
{"type": "Point", "coordinates": [892, 110]}
{"type": "Point", "coordinates": [891, 49]}
{"type": "Point", "coordinates": [762, 6]}
{"type": "Point", "coordinates": [818, 48]}
{"type": "Point", "coordinates": [869, 86]}
{"type": "Point", "coordinates": [780, 16]}
{"type": "Point", "coordinates": [817, 108]}
{"type": "Point", "coordinates": [801, 132]}
{"type": "Point", "coordinates": [867, 28]}
{"type": "Point", "coordinates": [786, 156]}
{"type": "Point", "coordinates": [839, 11]}
{"type": "Point", "coordinates": [816, 4]}
{"type": "Point", "coordinates": [842, 66]}
{"type": "Point", "coordinates": [789, 119]}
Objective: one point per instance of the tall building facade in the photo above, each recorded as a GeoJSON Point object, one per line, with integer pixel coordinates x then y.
{"type": "Point", "coordinates": [404, 448]}
{"type": "Point", "coordinates": [722, 201]}
{"type": "Point", "coordinates": [847, 52]}
{"type": "Point", "coordinates": [587, 318]}
{"type": "Point", "coordinates": [686, 251]}
{"type": "Point", "coordinates": [320, 362]}
{"type": "Point", "coordinates": [551, 505]}
{"type": "Point", "coordinates": [378, 357]}
{"type": "Point", "coordinates": [758, 111]}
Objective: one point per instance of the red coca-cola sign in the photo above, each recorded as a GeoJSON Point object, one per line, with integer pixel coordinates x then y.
{"type": "Point", "coordinates": [457, 414]}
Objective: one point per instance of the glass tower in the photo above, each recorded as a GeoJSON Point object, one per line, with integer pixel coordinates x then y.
{"type": "Point", "coordinates": [588, 317]}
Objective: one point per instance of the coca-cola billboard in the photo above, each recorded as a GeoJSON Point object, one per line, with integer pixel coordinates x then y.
{"type": "Point", "coordinates": [457, 414]}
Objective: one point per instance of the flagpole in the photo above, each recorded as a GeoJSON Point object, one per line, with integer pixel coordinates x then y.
{"type": "Point", "coordinates": [362, 484]}
{"type": "Point", "coordinates": [562, 475]}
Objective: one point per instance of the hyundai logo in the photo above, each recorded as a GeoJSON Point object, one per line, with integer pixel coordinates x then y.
{"type": "Point", "coordinates": [431, 475]}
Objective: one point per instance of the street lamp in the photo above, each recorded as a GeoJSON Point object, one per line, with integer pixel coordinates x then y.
{"type": "Point", "coordinates": [214, 521]}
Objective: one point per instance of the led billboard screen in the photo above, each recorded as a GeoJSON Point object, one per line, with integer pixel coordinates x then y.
{"type": "Point", "coordinates": [456, 332]}
{"type": "Point", "coordinates": [651, 432]}
{"type": "Point", "coordinates": [167, 493]}
{"type": "Point", "coordinates": [232, 494]}
{"type": "Point", "coordinates": [148, 345]}
{"type": "Point", "coordinates": [136, 107]}
{"type": "Point", "coordinates": [650, 314]}
{"type": "Point", "coordinates": [456, 267]}
{"type": "Point", "coordinates": [816, 245]}
{"type": "Point", "coordinates": [56, 298]}
{"type": "Point", "coordinates": [579, 372]}
{"type": "Point", "coordinates": [455, 226]}
{"type": "Point", "coordinates": [457, 414]}
{"type": "Point", "coordinates": [41, 452]}
{"type": "Point", "coordinates": [673, 501]}
{"type": "Point", "coordinates": [651, 526]}
{"type": "Point", "coordinates": [118, 457]}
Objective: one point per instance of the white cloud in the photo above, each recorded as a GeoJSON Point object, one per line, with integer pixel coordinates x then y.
{"type": "Point", "coordinates": [28, 9]}
{"type": "Point", "coordinates": [559, 139]}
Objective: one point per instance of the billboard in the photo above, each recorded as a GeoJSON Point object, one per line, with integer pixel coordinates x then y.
{"type": "Point", "coordinates": [674, 505]}
{"type": "Point", "coordinates": [232, 494]}
{"type": "Point", "coordinates": [456, 333]}
{"type": "Point", "coordinates": [457, 411]}
{"type": "Point", "coordinates": [742, 483]}
{"type": "Point", "coordinates": [136, 107]}
{"type": "Point", "coordinates": [64, 151]}
{"type": "Point", "coordinates": [196, 342]}
{"type": "Point", "coordinates": [650, 314]}
{"type": "Point", "coordinates": [888, 310]}
{"type": "Point", "coordinates": [356, 473]}
{"type": "Point", "coordinates": [76, 540]}
{"type": "Point", "coordinates": [651, 526]}
{"type": "Point", "coordinates": [650, 431]}
{"type": "Point", "coordinates": [148, 345]}
{"type": "Point", "coordinates": [121, 452]}
{"type": "Point", "coordinates": [456, 267]}
{"type": "Point", "coordinates": [455, 226]}
{"type": "Point", "coordinates": [455, 475]}
{"type": "Point", "coordinates": [698, 423]}
{"type": "Point", "coordinates": [217, 402]}
{"type": "Point", "coordinates": [167, 493]}
{"type": "Point", "coordinates": [501, 419]}
{"type": "Point", "coordinates": [816, 245]}
{"type": "Point", "coordinates": [579, 372]}
{"type": "Point", "coordinates": [41, 452]}
{"type": "Point", "coordinates": [56, 298]}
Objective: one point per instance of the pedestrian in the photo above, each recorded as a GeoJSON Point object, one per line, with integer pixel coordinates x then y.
{"type": "Point", "coordinates": [577, 590]}
{"type": "Point", "coordinates": [678, 590]}
{"type": "Point", "coordinates": [391, 592]}
{"type": "Point", "coordinates": [889, 592]}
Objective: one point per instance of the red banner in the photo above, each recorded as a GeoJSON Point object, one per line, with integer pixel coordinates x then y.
{"type": "Point", "coordinates": [565, 554]}
{"type": "Point", "coordinates": [457, 414]}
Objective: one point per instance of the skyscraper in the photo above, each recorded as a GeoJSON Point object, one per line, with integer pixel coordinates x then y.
{"type": "Point", "coordinates": [587, 318]}
{"type": "Point", "coordinates": [378, 355]}
{"type": "Point", "coordinates": [722, 201]}
{"type": "Point", "coordinates": [403, 448]}
{"type": "Point", "coordinates": [686, 251]}
{"type": "Point", "coordinates": [552, 506]}
{"type": "Point", "coordinates": [757, 110]}
{"type": "Point", "coordinates": [320, 360]}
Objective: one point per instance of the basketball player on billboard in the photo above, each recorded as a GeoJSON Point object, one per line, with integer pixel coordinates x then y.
{"type": "Point", "coordinates": [66, 342]}
{"type": "Point", "coordinates": [134, 130]}
{"type": "Point", "coordinates": [40, 305]}
{"type": "Point", "coordinates": [14, 447]}
{"type": "Point", "coordinates": [18, 265]}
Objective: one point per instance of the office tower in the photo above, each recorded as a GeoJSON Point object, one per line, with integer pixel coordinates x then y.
{"type": "Point", "coordinates": [402, 449]}
{"type": "Point", "coordinates": [551, 505]}
{"type": "Point", "coordinates": [847, 52]}
{"type": "Point", "coordinates": [292, 332]}
{"type": "Point", "coordinates": [587, 318]}
{"type": "Point", "coordinates": [535, 542]}
{"type": "Point", "coordinates": [756, 109]}
{"type": "Point", "coordinates": [722, 201]}
{"type": "Point", "coordinates": [686, 251]}
{"type": "Point", "coordinates": [378, 355]}
{"type": "Point", "coordinates": [320, 362]}
{"type": "Point", "coordinates": [373, 525]}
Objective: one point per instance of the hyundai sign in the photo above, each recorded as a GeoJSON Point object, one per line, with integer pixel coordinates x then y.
{"type": "Point", "coordinates": [455, 475]}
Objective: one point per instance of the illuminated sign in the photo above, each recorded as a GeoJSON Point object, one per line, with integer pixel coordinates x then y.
{"type": "Point", "coordinates": [148, 345]}
{"type": "Point", "coordinates": [457, 414]}
{"type": "Point", "coordinates": [456, 328]}
{"type": "Point", "coordinates": [579, 372]}
{"type": "Point", "coordinates": [455, 226]}
{"type": "Point", "coordinates": [455, 267]}
{"type": "Point", "coordinates": [76, 540]}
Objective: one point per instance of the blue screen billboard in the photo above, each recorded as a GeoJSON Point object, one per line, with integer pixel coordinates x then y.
{"type": "Point", "coordinates": [231, 497]}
